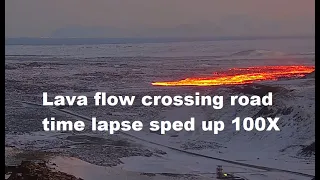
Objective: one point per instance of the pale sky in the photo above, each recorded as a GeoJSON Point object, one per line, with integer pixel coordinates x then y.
{"type": "Point", "coordinates": [113, 18]}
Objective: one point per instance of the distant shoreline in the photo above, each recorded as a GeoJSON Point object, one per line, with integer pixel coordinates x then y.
{"type": "Point", "coordinates": [97, 41]}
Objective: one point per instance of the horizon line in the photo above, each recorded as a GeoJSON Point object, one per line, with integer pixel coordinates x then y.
{"type": "Point", "coordinates": [128, 40]}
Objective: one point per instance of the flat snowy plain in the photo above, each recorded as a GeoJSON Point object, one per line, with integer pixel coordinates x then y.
{"type": "Point", "coordinates": [129, 69]}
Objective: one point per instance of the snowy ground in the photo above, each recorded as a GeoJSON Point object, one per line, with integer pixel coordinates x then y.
{"type": "Point", "coordinates": [121, 156]}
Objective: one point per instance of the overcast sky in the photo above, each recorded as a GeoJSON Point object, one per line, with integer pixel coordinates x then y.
{"type": "Point", "coordinates": [112, 18]}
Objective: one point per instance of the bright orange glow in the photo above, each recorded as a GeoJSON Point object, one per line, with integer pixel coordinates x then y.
{"type": "Point", "coordinates": [242, 76]}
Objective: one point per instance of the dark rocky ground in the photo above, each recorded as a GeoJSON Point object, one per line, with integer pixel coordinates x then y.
{"type": "Point", "coordinates": [28, 170]}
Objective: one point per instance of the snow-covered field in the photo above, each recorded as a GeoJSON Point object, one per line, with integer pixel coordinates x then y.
{"type": "Point", "coordinates": [129, 70]}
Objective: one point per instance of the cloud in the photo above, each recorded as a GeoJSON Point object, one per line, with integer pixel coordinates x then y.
{"type": "Point", "coordinates": [47, 17]}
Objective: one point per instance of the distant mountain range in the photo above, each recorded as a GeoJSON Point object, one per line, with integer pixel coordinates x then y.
{"type": "Point", "coordinates": [82, 41]}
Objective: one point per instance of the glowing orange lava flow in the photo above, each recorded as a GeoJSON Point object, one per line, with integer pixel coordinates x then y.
{"type": "Point", "coordinates": [243, 76]}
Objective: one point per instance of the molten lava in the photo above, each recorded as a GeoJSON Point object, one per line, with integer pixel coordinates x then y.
{"type": "Point", "coordinates": [243, 76]}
